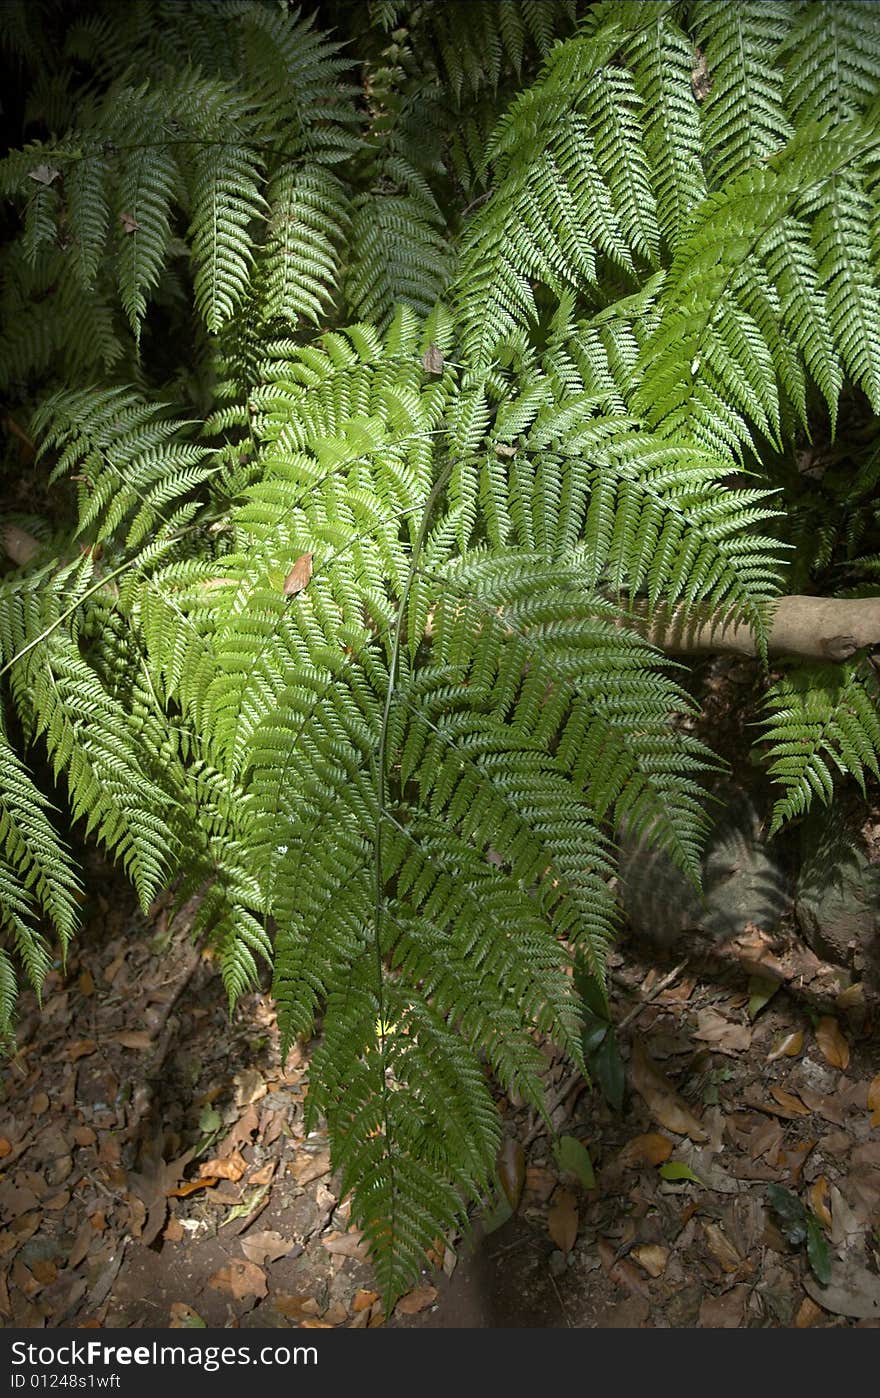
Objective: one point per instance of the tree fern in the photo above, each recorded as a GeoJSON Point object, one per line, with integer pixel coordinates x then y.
{"type": "Point", "coordinates": [503, 330]}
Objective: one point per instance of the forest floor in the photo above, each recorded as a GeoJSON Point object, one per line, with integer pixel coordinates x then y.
{"type": "Point", "coordinates": [155, 1170]}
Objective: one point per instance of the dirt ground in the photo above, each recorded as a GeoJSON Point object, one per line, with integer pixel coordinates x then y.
{"type": "Point", "coordinates": [155, 1170]}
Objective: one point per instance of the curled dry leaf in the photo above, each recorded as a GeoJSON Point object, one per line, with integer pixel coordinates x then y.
{"type": "Point", "coordinates": [660, 1097]}
{"type": "Point", "coordinates": [817, 1195]}
{"type": "Point", "coordinates": [562, 1220]}
{"type": "Point", "coordinates": [310, 1167]}
{"type": "Point", "coordinates": [129, 223]}
{"type": "Point", "coordinates": [44, 174]}
{"type": "Point", "coordinates": [264, 1247]}
{"type": "Point", "coordinates": [363, 1300]}
{"type": "Point", "coordinates": [832, 1043]}
{"type": "Point", "coordinates": [787, 1045]}
{"type": "Point", "coordinates": [808, 1313]}
{"type": "Point", "coordinates": [722, 1248]}
{"type": "Point", "coordinates": [417, 1300]}
{"type": "Point", "coordinates": [432, 360]}
{"type": "Point", "coordinates": [184, 1190]}
{"type": "Point", "coordinates": [351, 1244]}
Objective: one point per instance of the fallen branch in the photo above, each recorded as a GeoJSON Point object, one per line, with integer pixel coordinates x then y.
{"type": "Point", "coordinates": [812, 628]}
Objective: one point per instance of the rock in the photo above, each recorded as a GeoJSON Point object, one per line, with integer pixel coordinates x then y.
{"type": "Point", "coordinates": [837, 905]}
{"type": "Point", "coordinates": [744, 880]}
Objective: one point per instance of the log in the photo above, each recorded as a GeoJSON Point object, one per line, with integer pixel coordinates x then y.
{"type": "Point", "coordinates": [811, 628]}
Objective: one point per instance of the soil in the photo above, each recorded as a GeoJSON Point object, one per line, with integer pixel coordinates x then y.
{"type": "Point", "coordinates": [156, 1169]}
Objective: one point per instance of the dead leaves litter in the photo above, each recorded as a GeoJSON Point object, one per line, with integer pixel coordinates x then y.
{"type": "Point", "coordinates": [832, 1042]}
{"type": "Point", "coordinates": [661, 1098]}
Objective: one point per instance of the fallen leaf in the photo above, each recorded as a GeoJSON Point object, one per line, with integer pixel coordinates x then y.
{"type": "Point", "coordinates": [298, 578]}
{"type": "Point", "coordinates": [660, 1096]}
{"type": "Point", "coordinates": [650, 1149]}
{"type": "Point", "coordinates": [188, 1187]}
{"type": "Point", "coordinates": [240, 1279]}
{"type": "Point", "coordinates": [5, 1146]}
{"type": "Point", "coordinates": [874, 1101]}
{"type": "Point", "coordinates": [80, 1048]}
{"type": "Point", "coordinates": [86, 983]}
{"type": "Point", "coordinates": [40, 1103]}
{"type": "Point", "coordinates": [183, 1317]}
{"type": "Point", "coordinates": [511, 1167]}
{"type": "Point", "coordinates": [310, 1167]}
{"type": "Point", "coordinates": [363, 1300]}
{"type": "Point", "coordinates": [417, 1300]}
{"type": "Point", "coordinates": [129, 223]}
{"type": "Point", "coordinates": [817, 1195]}
{"type": "Point", "coordinates": [827, 1107]}
{"type": "Point", "coordinates": [852, 1291]}
{"type": "Point", "coordinates": [296, 1307]}
{"type": "Point", "coordinates": [266, 1246]}
{"type": "Point", "coordinates": [725, 1312]}
{"type": "Point", "coordinates": [174, 1230]}
{"type": "Point", "coordinates": [249, 1087]}
{"type": "Point", "coordinates": [761, 992]}
{"type": "Point", "coordinates": [676, 1170]}
{"type": "Point", "coordinates": [808, 1313]}
{"type": "Point", "coordinates": [722, 1248]}
{"type": "Point", "coordinates": [265, 1174]}
{"type": "Point", "coordinates": [620, 1271]}
{"type": "Point", "coordinates": [432, 360]}
{"type": "Point", "coordinates": [133, 1039]}
{"type": "Point", "coordinates": [573, 1158]}
{"type": "Point", "coordinates": [351, 1244]}
{"type": "Point", "coordinates": [540, 1183]}
{"type": "Point", "coordinates": [231, 1167]}
{"type": "Point", "coordinates": [653, 1258]}
{"type": "Point", "coordinates": [715, 1029]}
{"type": "Point", "coordinates": [787, 1045]}
{"type": "Point", "coordinates": [791, 1106]}
{"type": "Point", "coordinates": [853, 997]}
{"type": "Point", "coordinates": [832, 1043]}
{"type": "Point", "coordinates": [562, 1220]}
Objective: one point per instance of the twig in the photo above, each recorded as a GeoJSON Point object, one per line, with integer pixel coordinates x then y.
{"type": "Point", "coordinates": [560, 1300]}
{"type": "Point", "coordinates": [652, 995]}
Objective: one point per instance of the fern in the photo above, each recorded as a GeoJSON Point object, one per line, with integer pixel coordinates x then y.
{"type": "Point", "coordinates": [514, 319]}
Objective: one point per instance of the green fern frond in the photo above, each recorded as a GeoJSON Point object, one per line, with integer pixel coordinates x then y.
{"type": "Point", "coordinates": [823, 719]}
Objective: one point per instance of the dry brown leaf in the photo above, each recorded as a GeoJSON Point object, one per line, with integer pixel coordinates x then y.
{"type": "Point", "coordinates": [653, 1258]}
{"type": "Point", "coordinates": [620, 1271]}
{"type": "Point", "coordinates": [818, 1197]}
{"type": "Point", "coordinates": [316, 1325]}
{"type": "Point", "coordinates": [80, 1048]}
{"type": "Point", "coordinates": [183, 1317]}
{"type": "Point", "coordinates": [45, 1270]}
{"type": "Point", "coordinates": [511, 1167]}
{"type": "Point", "coordinates": [265, 1246]}
{"type": "Point", "coordinates": [174, 1230]}
{"type": "Point", "coordinates": [295, 1307]}
{"type": "Point", "coordinates": [231, 1167]}
{"type": "Point", "coordinates": [417, 1300]}
{"type": "Point", "coordinates": [249, 1087]}
{"type": "Point", "coordinates": [240, 1279]}
{"type": "Point", "coordinates": [660, 1097]}
{"type": "Point", "coordinates": [188, 1187]}
{"type": "Point", "coordinates": [129, 223]}
{"type": "Point", "coordinates": [133, 1039]}
{"type": "Point", "coordinates": [20, 546]}
{"type": "Point", "coordinates": [852, 998]}
{"type": "Point", "coordinates": [363, 1300]}
{"type": "Point", "coordinates": [432, 360]}
{"type": "Point", "coordinates": [725, 1312]}
{"type": "Point", "coordinates": [562, 1220]}
{"type": "Point", "coordinates": [791, 1106]}
{"type": "Point", "coordinates": [827, 1107]}
{"type": "Point", "coordinates": [852, 1291]}
{"type": "Point", "coordinates": [832, 1043]}
{"type": "Point", "coordinates": [721, 1248]}
{"type": "Point", "coordinates": [540, 1183]}
{"type": "Point", "coordinates": [84, 1136]}
{"type": "Point", "coordinates": [43, 174]}
{"type": "Point", "coordinates": [808, 1313]}
{"type": "Point", "coordinates": [874, 1101]}
{"type": "Point", "coordinates": [724, 1035]}
{"type": "Point", "coordinates": [351, 1244]}
{"type": "Point", "coordinates": [265, 1174]}
{"type": "Point", "coordinates": [298, 578]}
{"type": "Point", "coordinates": [5, 1146]}
{"type": "Point", "coordinates": [310, 1167]}
{"type": "Point", "coordinates": [86, 983]}
{"type": "Point", "coordinates": [649, 1149]}
{"type": "Point", "coordinates": [81, 1244]}
{"type": "Point", "coordinates": [40, 1103]}
{"type": "Point", "coordinates": [787, 1045]}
